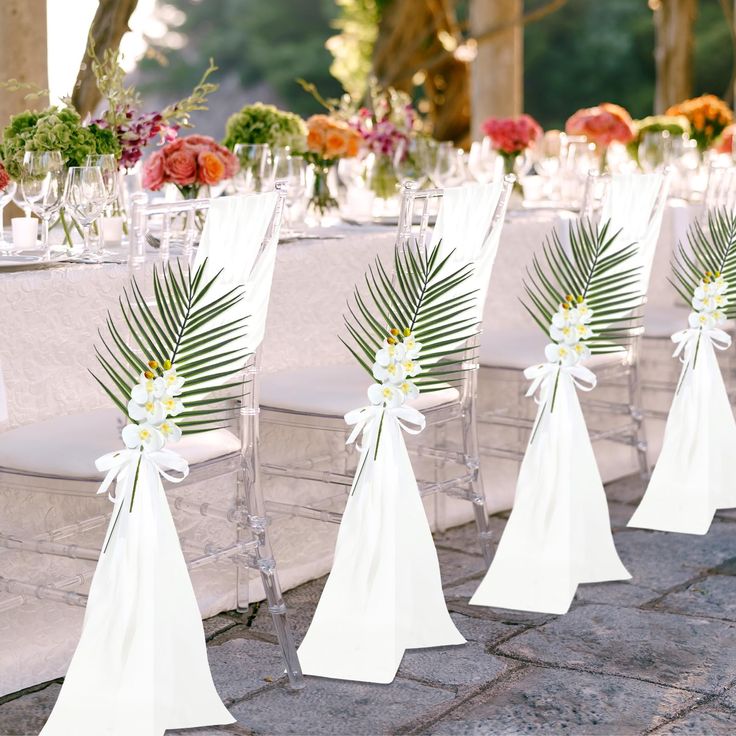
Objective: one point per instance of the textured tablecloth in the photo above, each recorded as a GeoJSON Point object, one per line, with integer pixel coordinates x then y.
{"type": "Point", "coordinates": [48, 327]}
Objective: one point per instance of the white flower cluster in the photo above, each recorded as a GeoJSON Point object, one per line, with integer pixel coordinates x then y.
{"type": "Point", "coordinates": [153, 400]}
{"type": "Point", "coordinates": [396, 364]}
{"type": "Point", "coordinates": [570, 329]}
{"type": "Point", "coordinates": [709, 301]}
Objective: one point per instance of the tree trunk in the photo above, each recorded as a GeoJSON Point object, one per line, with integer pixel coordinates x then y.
{"type": "Point", "coordinates": [673, 53]}
{"type": "Point", "coordinates": [497, 74]}
{"type": "Point", "coordinates": [110, 24]}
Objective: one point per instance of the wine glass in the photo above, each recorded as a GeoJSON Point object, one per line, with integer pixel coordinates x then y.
{"type": "Point", "coordinates": [482, 160]}
{"type": "Point", "coordinates": [655, 150]}
{"type": "Point", "coordinates": [6, 195]}
{"type": "Point", "coordinates": [85, 197]}
{"type": "Point", "coordinates": [292, 171]}
{"type": "Point", "coordinates": [413, 160]}
{"type": "Point", "coordinates": [42, 184]}
{"type": "Point", "coordinates": [108, 166]}
{"type": "Point", "coordinates": [257, 168]}
{"type": "Point", "coordinates": [449, 168]}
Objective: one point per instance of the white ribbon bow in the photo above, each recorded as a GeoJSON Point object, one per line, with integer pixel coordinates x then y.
{"type": "Point", "coordinates": [686, 340]}
{"type": "Point", "coordinates": [543, 375]}
{"type": "Point", "coordinates": [368, 418]}
{"type": "Point", "coordinates": [125, 461]}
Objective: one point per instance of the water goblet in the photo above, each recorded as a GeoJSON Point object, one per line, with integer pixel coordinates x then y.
{"type": "Point", "coordinates": [655, 150]}
{"type": "Point", "coordinates": [42, 185]}
{"type": "Point", "coordinates": [257, 168]}
{"type": "Point", "coordinates": [482, 160]}
{"type": "Point", "coordinates": [85, 198]}
{"type": "Point", "coordinates": [292, 171]}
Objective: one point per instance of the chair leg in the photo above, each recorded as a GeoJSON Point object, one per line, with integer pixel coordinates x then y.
{"type": "Point", "coordinates": [471, 451]}
{"type": "Point", "coordinates": [637, 415]}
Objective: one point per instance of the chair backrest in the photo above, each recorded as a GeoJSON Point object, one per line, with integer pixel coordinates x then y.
{"type": "Point", "coordinates": [720, 190]}
{"type": "Point", "coordinates": [159, 222]}
{"type": "Point", "coordinates": [468, 224]}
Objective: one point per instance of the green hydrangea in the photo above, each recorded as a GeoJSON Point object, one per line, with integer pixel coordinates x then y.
{"type": "Point", "coordinates": [261, 123]}
{"type": "Point", "coordinates": [674, 124]}
{"type": "Point", "coordinates": [54, 129]}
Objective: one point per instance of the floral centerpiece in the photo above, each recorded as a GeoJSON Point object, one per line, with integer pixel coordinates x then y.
{"type": "Point", "coordinates": [189, 163]}
{"type": "Point", "coordinates": [602, 125]}
{"type": "Point", "coordinates": [328, 139]}
{"type": "Point", "coordinates": [708, 116]}
{"type": "Point", "coordinates": [725, 142]}
{"type": "Point", "coordinates": [675, 125]}
{"type": "Point", "coordinates": [511, 137]}
{"type": "Point", "coordinates": [259, 123]}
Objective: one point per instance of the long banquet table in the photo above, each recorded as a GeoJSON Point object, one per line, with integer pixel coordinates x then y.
{"type": "Point", "coordinates": [48, 328]}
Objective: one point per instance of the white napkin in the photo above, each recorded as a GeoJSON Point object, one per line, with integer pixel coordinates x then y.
{"type": "Point", "coordinates": [141, 664]}
{"type": "Point", "coordinates": [559, 533]}
{"type": "Point", "coordinates": [696, 468]}
{"type": "Point", "coordinates": [384, 593]}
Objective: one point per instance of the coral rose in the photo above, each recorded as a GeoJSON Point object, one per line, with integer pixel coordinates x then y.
{"type": "Point", "coordinates": [181, 166]}
{"type": "Point", "coordinates": [153, 172]}
{"type": "Point", "coordinates": [211, 167]}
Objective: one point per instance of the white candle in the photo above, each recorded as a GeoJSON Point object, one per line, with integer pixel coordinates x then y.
{"type": "Point", "coordinates": [25, 233]}
{"type": "Point", "coordinates": [112, 230]}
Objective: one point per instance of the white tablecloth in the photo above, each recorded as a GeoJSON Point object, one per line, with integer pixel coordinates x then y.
{"type": "Point", "coordinates": [48, 327]}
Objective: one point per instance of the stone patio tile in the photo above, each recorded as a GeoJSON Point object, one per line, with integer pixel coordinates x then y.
{"type": "Point", "coordinates": [241, 665]}
{"type": "Point", "coordinates": [216, 625]}
{"type": "Point", "coordinates": [552, 701]}
{"type": "Point", "coordinates": [626, 490]}
{"type": "Point", "coordinates": [710, 720]}
{"type": "Point", "coordinates": [26, 715]}
{"type": "Point", "coordinates": [616, 593]}
{"type": "Point", "coordinates": [661, 560]}
{"type": "Point", "coordinates": [714, 596]}
{"type": "Point", "coordinates": [338, 707]}
{"type": "Point", "coordinates": [665, 648]}
{"type": "Point", "coordinates": [486, 631]}
{"type": "Point", "coordinates": [231, 730]}
{"type": "Point", "coordinates": [619, 514]}
{"type": "Point", "coordinates": [465, 538]}
{"type": "Point", "coordinates": [457, 565]}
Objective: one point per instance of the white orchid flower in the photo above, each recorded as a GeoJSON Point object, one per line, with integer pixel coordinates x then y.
{"type": "Point", "coordinates": [566, 334]}
{"type": "Point", "coordinates": [719, 317]}
{"type": "Point", "coordinates": [582, 351]}
{"type": "Point", "coordinates": [143, 435]}
{"type": "Point", "coordinates": [583, 332]}
{"type": "Point", "coordinates": [390, 353]}
{"type": "Point", "coordinates": [409, 390]}
{"type": "Point", "coordinates": [173, 382]}
{"type": "Point", "coordinates": [411, 367]}
{"type": "Point", "coordinates": [721, 285]}
{"type": "Point", "coordinates": [152, 412]}
{"type": "Point", "coordinates": [585, 313]}
{"type": "Point", "coordinates": [147, 389]}
{"type": "Point", "coordinates": [720, 300]}
{"type": "Point", "coordinates": [706, 304]}
{"type": "Point", "coordinates": [173, 405]}
{"type": "Point", "coordinates": [412, 347]}
{"type": "Point", "coordinates": [573, 316]}
{"type": "Point", "coordinates": [704, 320]}
{"type": "Point", "coordinates": [560, 353]}
{"type": "Point", "coordinates": [387, 394]}
{"type": "Point", "coordinates": [170, 431]}
{"type": "Point", "coordinates": [393, 372]}
{"type": "Point", "coordinates": [559, 319]}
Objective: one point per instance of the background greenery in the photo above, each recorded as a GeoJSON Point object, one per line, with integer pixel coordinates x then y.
{"type": "Point", "coordinates": [585, 53]}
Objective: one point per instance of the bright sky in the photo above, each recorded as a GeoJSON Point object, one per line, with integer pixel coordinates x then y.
{"type": "Point", "coordinates": [68, 25]}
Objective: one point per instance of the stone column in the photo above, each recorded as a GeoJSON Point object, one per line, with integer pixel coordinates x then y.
{"type": "Point", "coordinates": [497, 74]}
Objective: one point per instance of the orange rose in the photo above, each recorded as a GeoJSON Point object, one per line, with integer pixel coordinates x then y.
{"type": "Point", "coordinates": [211, 167]}
{"type": "Point", "coordinates": [315, 140]}
{"type": "Point", "coordinates": [353, 145]}
{"type": "Point", "coordinates": [335, 143]}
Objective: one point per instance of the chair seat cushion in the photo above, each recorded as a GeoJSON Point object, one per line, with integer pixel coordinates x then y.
{"type": "Point", "coordinates": [519, 349]}
{"type": "Point", "coordinates": [331, 391]}
{"type": "Point", "coordinates": [68, 446]}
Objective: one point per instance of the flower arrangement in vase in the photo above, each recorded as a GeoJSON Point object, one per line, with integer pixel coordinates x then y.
{"type": "Point", "coordinates": [511, 137]}
{"type": "Point", "coordinates": [674, 125]}
{"type": "Point", "coordinates": [708, 116]}
{"type": "Point", "coordinates": [328, 140]}
{"type": "Point", "coordinates": [266, 124]}
{"type": "Point", "coordinates": [602, 125]}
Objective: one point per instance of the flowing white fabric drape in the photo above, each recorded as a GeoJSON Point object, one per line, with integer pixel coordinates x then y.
{"type": "Point", "coordinates": [384, 594]}
{"type": "Point", "coordinates": [141, 664]}
{"type": "Point", "coordinates": [695, 473]}
{"type": "Point", "coordinates": [558, 534]}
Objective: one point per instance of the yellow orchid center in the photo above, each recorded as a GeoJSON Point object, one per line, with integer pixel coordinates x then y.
{"type": "Point", "coordinates": [387, 392]}
{"type": "Point", "coordinates": [144, 434]}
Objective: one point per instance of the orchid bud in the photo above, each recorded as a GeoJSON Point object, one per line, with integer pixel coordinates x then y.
{"type": "Point", "coordinates": [167, 365]}
{"type": "Point", "coordinates": [394, 332]}
{"type": "Point", "coordinates": [391, 341]}
{"type": "Point", "coordinates": [152, 364]}
{"type": "Point", "coordinates": [149, 375]}
{"type": "Point", "coordinates": [407, 332]}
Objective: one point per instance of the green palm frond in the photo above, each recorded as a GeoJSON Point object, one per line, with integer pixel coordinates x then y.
{"type": "Point", "coordinates": [188, 327]}
{"type": "Point", "coordinates": [596, 269]}
{"type": "Point", "coordinates": [427, 297]}
{"type": "Point", "coordinates": [712, 249]}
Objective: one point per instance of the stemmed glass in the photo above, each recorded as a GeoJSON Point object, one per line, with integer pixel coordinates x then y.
{"type": "Point", "coordinates": [482, 160]}
{"type": "Point", "coordinates": [108, 165]}
{"type": "Point", "coordinates": [449, 166]}
{"type": "Point", "coordinates": [413, 160]}
{"type": "Point", "coordinates": [6, 195]}
{"type": "Point", "coordinates": [292, 171]}
{"type": "Point", "coordinates": [655, 150]}
{"type": "Point", "coordinates": [256, 168]}
{"type": "Point", "coordinates": [85, 197]}
{"type": "Point", "coordinates": [42, 184]}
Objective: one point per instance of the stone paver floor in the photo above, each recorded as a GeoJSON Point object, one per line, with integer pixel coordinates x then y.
{"type": "Point", "coordinates": [656, 655]}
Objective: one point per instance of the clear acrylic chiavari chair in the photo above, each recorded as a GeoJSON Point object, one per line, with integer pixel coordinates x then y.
{"type": "Point", "coordinates": [315, 400]}
{"type": "Point", "coordinates": [620, 411]}
{"type": "Point", "coordinates": [54, 460]}
{"type": "Point", "coordinates": [720, 189]}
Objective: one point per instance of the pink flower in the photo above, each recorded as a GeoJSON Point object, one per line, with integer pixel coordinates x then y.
{"type": "Point", "coordinates": [153, 172]}
{"type": "Point", "coordinates": [512, 135]}
{"type": "Point", "coordinates": [602, 124]}
{"type": "Point", "coordinates": [725, 144]}
{"type": "Point", "coordinates": [4, 178]}
{"type": "Point", "coordinates": [181, 165]}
